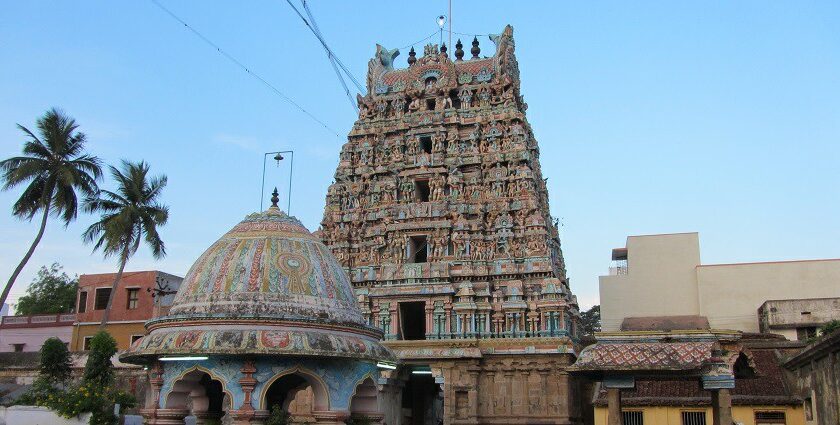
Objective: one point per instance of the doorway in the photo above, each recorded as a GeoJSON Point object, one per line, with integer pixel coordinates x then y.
{"type": "Point", "coordinates": [422, 400]}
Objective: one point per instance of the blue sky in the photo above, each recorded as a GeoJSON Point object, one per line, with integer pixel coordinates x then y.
{"type": "Point", "coordinates": [652, 117]}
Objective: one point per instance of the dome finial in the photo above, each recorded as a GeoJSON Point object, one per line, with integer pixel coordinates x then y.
{"type": "Point", "coordinates": [275, 198]}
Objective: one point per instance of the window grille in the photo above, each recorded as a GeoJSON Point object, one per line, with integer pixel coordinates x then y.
{"type": "Point", "coordinates": [633, 417]}
{"type": "Point", "coordinates": [762, 418]}
{"type": "Point", "coordinates": [693, 418]}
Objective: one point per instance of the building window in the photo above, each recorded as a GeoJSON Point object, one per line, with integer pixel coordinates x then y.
{"type": "Point", "coordinates": [82, 302]}
{"type": "Point", "coordinates": [86, 343]}
{"type": "Point", "coordinates": [102, 295]}
{"type": "Point", "coordinates": [633, 417]}
{"type": "Point", "coordinates": [18, 348]}
{"type": "Point", "coordinates": [693, 418]}
{"type": "Point", "coordinates": [134, 338]}
{"type": "Point", "coordinates": [132, 296]}
{"type": "Point", "coordinates": [766, 418]}
{"type": "Point", "coordinates": [421, 190]}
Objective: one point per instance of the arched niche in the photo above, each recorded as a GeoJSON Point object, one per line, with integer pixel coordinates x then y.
{"type": "Point", "coordinates": [298, 392]}
{"type": "Point", "coordinates": [203, 394]}
{"type": "Point", "coordinates": [364, 401]}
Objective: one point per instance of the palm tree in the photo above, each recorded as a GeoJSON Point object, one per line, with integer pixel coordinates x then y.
{"type": "Point", "coordinates": [130, 215]}
{"type": "Point", "coordinates": [55, 166]}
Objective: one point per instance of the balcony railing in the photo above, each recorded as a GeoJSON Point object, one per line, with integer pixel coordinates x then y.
{"type": "Point", "coordinates": [39, 319]}
{"type": "Point", "coordinates": [618, 268]}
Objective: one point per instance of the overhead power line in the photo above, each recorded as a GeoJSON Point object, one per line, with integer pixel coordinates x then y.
{"type": "Point", "coordinates": [331, 56]}
{"type": "Point", "coordinates": [244, 68]}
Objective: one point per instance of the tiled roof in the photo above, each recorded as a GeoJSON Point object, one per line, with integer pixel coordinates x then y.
{"type": "Point", "coordinates": [767, 388]}
{"type": "Point", "coordinates": [632, 356]}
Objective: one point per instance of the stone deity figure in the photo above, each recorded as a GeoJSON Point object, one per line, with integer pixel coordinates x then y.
{"type": "Point", "coordinates": [399, 106]}
{"type": "Point", "coordinates": [465, 95]}
{"type": "Point", "coordinates": [414, 105]}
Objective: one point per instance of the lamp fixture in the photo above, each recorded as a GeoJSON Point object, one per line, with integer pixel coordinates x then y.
{"type": "Point", "coordinates": [441, 21]}
{"type": "Point", "coordinates": [182, 358]}
{"type": "Point", "coordinates": [383, 365]}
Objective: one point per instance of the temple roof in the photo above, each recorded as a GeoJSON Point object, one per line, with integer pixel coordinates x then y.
{"type": "Point", "coordinates": [268, 286]}
{"type": "Point", "coordinates": [767, 387]}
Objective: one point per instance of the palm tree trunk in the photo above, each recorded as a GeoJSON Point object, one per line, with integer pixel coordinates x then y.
{"type": "Point", "coordinates": [26, 257]}
{"type": "Point", "coordinates": [107, 312]}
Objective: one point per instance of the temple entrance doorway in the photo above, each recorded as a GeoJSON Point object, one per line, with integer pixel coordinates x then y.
{"type": "Point", "coordinates": [296, 395]}
{"type": "Point", "coordinates": [422, 399]}
{"type": "Point", "coordinates": [201, 395]}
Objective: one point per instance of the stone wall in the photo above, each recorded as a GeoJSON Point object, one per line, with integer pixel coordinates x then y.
{"type": "Point", "coordinates": [814, 375]}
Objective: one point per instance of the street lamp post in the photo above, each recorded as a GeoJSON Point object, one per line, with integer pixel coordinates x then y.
{"type": "Point", "coordinates": [441, 20]}
{"type": "Point", "coordinates": [278, 156]}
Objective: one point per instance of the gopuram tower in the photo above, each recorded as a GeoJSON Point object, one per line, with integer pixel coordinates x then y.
{"type": "Point", "coordinates": [439, 213]}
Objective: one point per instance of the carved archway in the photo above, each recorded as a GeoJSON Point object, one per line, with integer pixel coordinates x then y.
{"type": "Point", "coordinates": [200, 392]}
{"type": "Point", "coordinates": [364, 401]}
{"type": "Point", "coordinates": [297, 392]}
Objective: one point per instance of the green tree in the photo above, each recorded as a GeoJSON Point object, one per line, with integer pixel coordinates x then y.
{"type": "Point", "coordinates": [130, 215]}
{"type": "Point", "coordinates": [55, 167]}
{"type": "Point", "coordinates": [590, 320]}
{"type": "Point", "coordinates": [99, 371]}
{"type": "Point", "coordinates": [52, 291]}
{"type": "Point", "coordinates": [55, 363]}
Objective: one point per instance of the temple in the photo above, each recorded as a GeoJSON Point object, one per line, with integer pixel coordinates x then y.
{"type": "Point", "coordinates": [439, 213]}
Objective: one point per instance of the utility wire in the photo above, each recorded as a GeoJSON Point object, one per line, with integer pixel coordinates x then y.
{"type": "Point", "coordinates": [331, 56]}
{"type": "Point", "coordinates": [245, 68]}
{"type": "Point", "coordinates": [334, 60]}
{"type": "Point", "coordinates": [420, 40]}
{"type": "Point", "coordinates": [359, 86]}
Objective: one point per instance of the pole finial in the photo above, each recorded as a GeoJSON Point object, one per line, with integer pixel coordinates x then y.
{"type": "Point", "coordinates": [275, 198]}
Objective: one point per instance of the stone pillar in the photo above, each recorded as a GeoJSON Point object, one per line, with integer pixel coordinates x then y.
{"type": "Point", "coordinates": [614, 385]}
{"type": "Point", "coordinates": [721, 407]}
{"type": "Point", "coordinates": [448, 330]}
{"type": "Point", "coordinates": [246, 414]}
{"type": "Point", "coordinates": [614, 407]}
{"type": "Point", "coordinates": [156, 382]}
{"type": "Point", "coordinates": [472, 392]}
{"type": "Point", "coordinates": [395, 322]}
{"type": "Point", "coordinates": [430, 321]}
{"type": "Point", "coordinates": [526, 391]}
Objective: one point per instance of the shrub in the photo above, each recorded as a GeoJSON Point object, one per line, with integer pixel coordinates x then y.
{"type": "Point", "coordinates": [54, 362]}
{"type": "Point", "coordinates": [829, 327]}
{"type": "Point", "coordinates": [96, 393]}
{"type": "Point", "coordinates": [278, 416]}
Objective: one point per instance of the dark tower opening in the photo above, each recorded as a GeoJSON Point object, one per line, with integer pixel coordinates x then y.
{"type": "Point", "coordinates": [426, 143]}
{"type": "Point", "coordinates": [418, 249]}
{"type": "Point", "coordinates": [413, 320]}
{"type": "Point", "coordinates": [421, 190]}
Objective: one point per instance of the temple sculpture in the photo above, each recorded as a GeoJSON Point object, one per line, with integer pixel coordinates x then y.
{"type": "Point", "coordinates": [439, 213]}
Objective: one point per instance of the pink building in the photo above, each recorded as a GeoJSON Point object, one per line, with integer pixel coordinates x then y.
{"type": "Point", "coordinates": [28, 333]}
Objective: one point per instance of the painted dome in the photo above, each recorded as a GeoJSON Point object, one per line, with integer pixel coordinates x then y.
{"type": "Point", "coordinates": [268, 286]}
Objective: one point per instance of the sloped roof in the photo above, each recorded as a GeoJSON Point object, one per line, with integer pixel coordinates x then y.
{"type": "Point", "coordinates": [768, 387]}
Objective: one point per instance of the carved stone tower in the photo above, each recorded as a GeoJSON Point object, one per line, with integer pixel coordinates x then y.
{"type": "Point", "coordinates": [439, 212]}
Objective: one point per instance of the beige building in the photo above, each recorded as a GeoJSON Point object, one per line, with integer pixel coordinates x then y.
{"type": "Point", "coordinates": [661, 275]}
